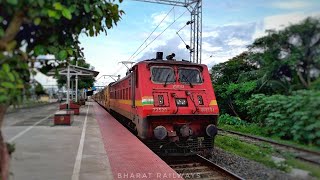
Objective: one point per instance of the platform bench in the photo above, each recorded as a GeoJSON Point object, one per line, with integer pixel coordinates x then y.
{"type": "Point", "coordinates": [63, 117]}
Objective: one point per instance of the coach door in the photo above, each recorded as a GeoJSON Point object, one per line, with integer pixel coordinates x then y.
{"type": "Point", "coordinates": [133, 93]}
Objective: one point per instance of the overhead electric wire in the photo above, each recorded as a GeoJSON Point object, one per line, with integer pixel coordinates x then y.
{"type": "Point", "coordinates": [117, 71]}
{"type": "Point", "coordinates": [151, 33]}
{"type": "Point", "coordinates": [161, 33]}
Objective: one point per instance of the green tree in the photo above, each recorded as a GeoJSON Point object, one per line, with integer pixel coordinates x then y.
{"type": "Point", "coordinates": [276, 84]}
{"type": "Point", "coordinates": [31, 28]}
{"type": "Point", "coordinates": [289, 58]}
{"type": "Point", "coordinates": [234, 83]}
{"type": "Point", "coordinates": [278, 63]}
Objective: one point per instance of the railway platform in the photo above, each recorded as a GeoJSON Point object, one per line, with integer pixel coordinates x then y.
{"type": "Point", "coordinates": [128, 157]}
{"type": "Point", "coordinates": [95, 146]}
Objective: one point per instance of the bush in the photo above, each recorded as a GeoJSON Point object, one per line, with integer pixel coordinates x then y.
{"type": "Point", "coordinates": [295, 117]}
{"type": "Point", "coordinates": [230, 120]}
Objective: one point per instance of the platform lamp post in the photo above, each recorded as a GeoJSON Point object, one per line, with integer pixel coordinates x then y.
{"type": "Point", "coordinates": [76, 83]}
{"type": "Point", "coordinates": [68, 86]}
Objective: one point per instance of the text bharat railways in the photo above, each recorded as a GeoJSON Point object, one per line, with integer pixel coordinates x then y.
{"type": "Point", "coordinates": [158, 175]}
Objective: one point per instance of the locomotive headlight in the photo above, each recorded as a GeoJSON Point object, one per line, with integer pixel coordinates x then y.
{"type": "Point", "coordinates": [161, 100]}
{"type": "Point", "coordinates": [181, 102]}
{"type": "Point", "coordinates": [200, 100]}
{"type": "Point", "coordinates": [160, 132]}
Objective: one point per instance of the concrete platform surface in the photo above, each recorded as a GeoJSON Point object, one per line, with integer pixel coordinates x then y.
{"type": "Point", "coordinates": [45, 152]}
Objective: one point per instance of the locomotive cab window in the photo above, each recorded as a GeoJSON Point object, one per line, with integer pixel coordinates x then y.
{"type": "Point", "coordinates": [163, 75]}
{"type": "Point", "coordinates": [189, 75]}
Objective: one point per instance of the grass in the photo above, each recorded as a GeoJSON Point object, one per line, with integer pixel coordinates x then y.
{"type": "Point", "coordinates": [247, 129]}
{"type": "Point", "coordinates": [313, 169]}
{"type": "Point", "coordinates": [254, 129]}
{"type": "Point", "coordinates": [260, 154]}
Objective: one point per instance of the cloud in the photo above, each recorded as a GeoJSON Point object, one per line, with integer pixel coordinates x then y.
{"type": "Point", "coordinates": [220, 43]}
{"type": "Point", "coordinates": [237, 42]}
{"type": "Point", "coordinates": [291, 4]}
{"type": "Point", "coordinates": [278, 22]}
{"type": "Point", "coordinates": [156, 19]}
{"type": "Point", "coordinates": [208, 47]}
{"type": "Point", "coordinates": [171, 46]}
{"type": "Point", "coordinates": [210, 34]}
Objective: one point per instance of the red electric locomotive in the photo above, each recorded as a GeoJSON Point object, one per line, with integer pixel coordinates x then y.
{"type": "Point", "coordinates": [170, 105]}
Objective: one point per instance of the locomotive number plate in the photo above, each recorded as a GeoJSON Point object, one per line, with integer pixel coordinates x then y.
{"type": "Point", "coordinates": [178, 86]}
{"type": "Point", "coordinates": [206, 109]}
{"type": "Point", "coordinates": [160, 109]}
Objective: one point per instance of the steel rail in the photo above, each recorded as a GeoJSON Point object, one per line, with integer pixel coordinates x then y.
{"type": "Point", "coordinates": [198, 167]}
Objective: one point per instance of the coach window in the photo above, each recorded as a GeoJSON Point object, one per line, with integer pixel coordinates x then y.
{"type": "Point", "coordinates": [189, 75]}
{"type": "Point", "coordinates": [161, 74]}
{"type": "Point", "coordinates": [129, 94]}
{"type": "Point", "coordinates": [127, 91]}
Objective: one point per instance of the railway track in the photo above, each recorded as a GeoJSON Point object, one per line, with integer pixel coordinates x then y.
{"type": "Point", "coordinates": [299, 153]}
{"type": "Point", "coordinates": [198, 167]}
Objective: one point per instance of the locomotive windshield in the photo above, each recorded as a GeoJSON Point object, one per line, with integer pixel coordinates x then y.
{"type": "Point", "coordinates": [189, 75]}
{"type": "Point", "coordinates": [162, 74]}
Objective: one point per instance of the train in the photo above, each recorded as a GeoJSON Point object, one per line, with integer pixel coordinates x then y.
{"type": "Point", "coordinates": [169, 104]}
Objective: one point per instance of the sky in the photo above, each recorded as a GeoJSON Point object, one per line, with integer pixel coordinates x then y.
{"type": "Point", "coordinates": [229, 26]}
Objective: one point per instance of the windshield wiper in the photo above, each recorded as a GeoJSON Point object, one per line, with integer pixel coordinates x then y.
{"type": "Point", "coordinates": [165, 83]}
{"type": "Point", "coordinates": [183, 76]}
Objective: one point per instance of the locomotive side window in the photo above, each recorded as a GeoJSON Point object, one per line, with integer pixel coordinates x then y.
{"type": "Point", "coordinates": [160, 74]}
{"type": "Point", "coordinates": [189, 75]}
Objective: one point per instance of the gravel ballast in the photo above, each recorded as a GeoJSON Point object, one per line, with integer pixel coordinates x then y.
{"type": "Point", "coordinates": [246, 168]}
